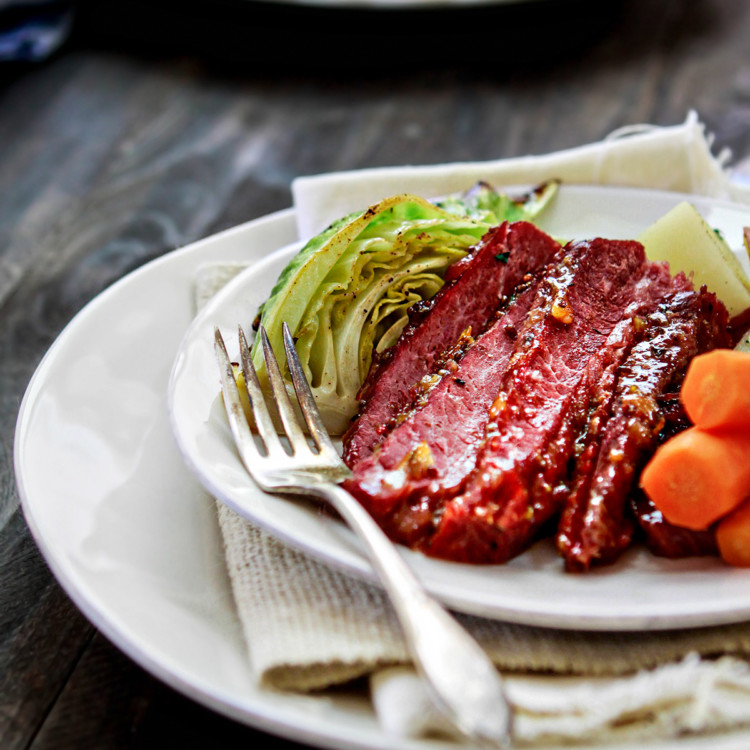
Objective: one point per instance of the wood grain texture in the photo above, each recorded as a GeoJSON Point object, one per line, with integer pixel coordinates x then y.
{"type": "Point", "coordinates": [109, 702]}
{"type": "Point", "coordinates": [165, 122]}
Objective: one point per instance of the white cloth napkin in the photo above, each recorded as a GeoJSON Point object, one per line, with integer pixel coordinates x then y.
{"type": "Point", "coordinates": [689, 696]}
{"type": "Point", "coordinates": [676, 158]}
{"type": "Point", "coordinates": [309, 627]}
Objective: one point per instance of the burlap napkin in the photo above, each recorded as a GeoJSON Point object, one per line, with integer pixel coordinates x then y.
{"type": "Point", "coordinates": [309, 627]}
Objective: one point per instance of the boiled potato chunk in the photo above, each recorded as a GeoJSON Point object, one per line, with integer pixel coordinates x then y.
{"type": "Point", "coordinates": [684, 239]}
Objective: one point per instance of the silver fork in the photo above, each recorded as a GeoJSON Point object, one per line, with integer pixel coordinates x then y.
{"type": "Point", "coordinates": [462, 682]}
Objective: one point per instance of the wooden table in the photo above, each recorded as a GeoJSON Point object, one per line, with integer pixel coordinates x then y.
{"type": "Point", "coordinates": [159, 125]}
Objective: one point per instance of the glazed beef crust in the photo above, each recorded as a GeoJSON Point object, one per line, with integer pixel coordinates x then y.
{"type": "Point", "coordinates": [516, 485]}
{"type": "Point", "coordinates": [595, 526]}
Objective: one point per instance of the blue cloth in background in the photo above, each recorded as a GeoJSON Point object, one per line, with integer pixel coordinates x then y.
{"type": "Point", "coordinates": [31, 31]}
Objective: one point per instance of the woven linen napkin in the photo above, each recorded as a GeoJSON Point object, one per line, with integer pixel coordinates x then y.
{"type": "Point", "coordinates": [309, 627]}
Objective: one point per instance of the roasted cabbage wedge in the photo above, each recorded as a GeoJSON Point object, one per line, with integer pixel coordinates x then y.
{"type": "Point", "coordinates": [346, 294]}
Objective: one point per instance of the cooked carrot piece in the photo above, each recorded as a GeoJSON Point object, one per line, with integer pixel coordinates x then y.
{"type": "Point", "coordinates": [697, 476]}
{"type": "Point", "coordinates": [716, 389]}
{"type": "Point", "coordinates": [733, 536]}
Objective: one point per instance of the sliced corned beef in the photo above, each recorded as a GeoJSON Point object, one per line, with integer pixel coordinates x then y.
{"type": "Point", "coordinates": [518, 483]}
{"type": "Point", "coordinates": [476, 286]}
{"type": "Point", "coordinates": [594, 526]}
{"type": "Point", "coordinates": [429, 455]}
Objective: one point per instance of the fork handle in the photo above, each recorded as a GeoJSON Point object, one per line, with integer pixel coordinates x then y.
{"type": "Point", "coordinates": [460, 676]}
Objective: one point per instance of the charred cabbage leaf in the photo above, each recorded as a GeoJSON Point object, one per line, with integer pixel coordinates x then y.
{"type": "Point", "coordinates": [346, 294]}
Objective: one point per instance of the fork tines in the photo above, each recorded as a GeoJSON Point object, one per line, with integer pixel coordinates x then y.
{"type": "Point", "coordinates": [264, 421]}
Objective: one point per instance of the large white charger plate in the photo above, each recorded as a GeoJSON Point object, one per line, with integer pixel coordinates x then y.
{"type": "Point", "coordinates": [131, 535]}
{"type": "Point", "coordinates": [640, 591]}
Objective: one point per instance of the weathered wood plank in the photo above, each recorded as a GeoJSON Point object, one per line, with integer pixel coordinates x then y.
{"type": "Point", "coordinates": [109, 702]}
{"type": "Point", "coordinates": [42, 635]}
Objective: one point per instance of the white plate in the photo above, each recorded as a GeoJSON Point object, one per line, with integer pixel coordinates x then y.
{"type": "Point", "coordinates": [128, 532]}
{"type": "Point", "coordinates": [639, 591]}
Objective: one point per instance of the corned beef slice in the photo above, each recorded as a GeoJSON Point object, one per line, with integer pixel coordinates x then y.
{"type": "Point", "coordinates": [594, 526]}
{"type": "Point", "coordinates": [430, 454]}
{"type": "Point", "coordinates": [661, 537]}
{"type": "Point", "coordinates": [665, 539]}
{"type": "Point", "coordinates": [655, 285]}
{"type": "Point", "coordinates": [475, 287]}
{"type": "Point", "coordinates": [650, 291]}
{"type": "Point", "coordinates": [518, 483]}
{"type": "Point", "coordinates": [589, 410]}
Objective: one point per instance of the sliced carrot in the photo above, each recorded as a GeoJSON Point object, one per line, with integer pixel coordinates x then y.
{"type": "Point", "coordinates": [716, 389]}
{"type": "Point", "coordinates": [733, 536]}
{"type": "Point", "coordinates": [698, 476]}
